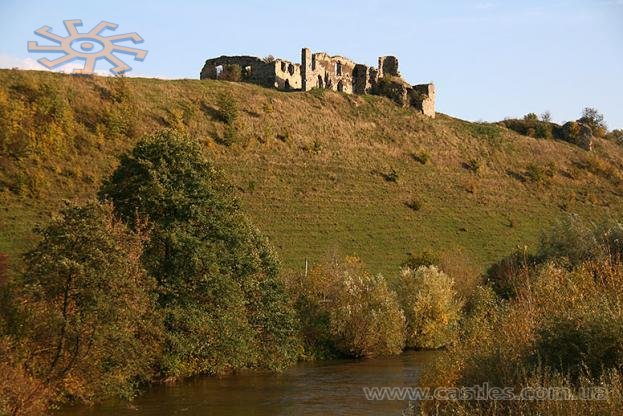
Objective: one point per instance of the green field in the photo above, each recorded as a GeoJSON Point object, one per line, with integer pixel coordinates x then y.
{"type": "Point", "coordinates": [311, 168]}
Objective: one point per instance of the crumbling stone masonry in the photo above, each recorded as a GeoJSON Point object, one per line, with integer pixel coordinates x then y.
{"type": "Point", "coordinates": [319, 70]}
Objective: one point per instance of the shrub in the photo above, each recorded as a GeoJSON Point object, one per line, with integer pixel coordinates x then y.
{"type": "Point", "coordinates": [345, 311]}
{"type": "Point", "coordinates": [284, 136]}
{"type": "Point", "coordinates": [453, 262]}
{"type": "Point", "coordinates": [531, 126]}
{"type": "Point", "coordinates": [391, 175]}
{"type": "Point", "coordinates": [466, 274]}
{"type": "Point", "coordinates": [208, 260]}
{"type": "Point", "coordinates": [564, 329]}
{"type": "Point", "coordinates": [616, 136]}
{"type": "Point", "coordinates": [317, 146]}
{"type": "Point", "coordinates": [486, 131]}
{"type": "Point", "coordinates": [543, 131]}
{"type": "Point", "coordinates": [574, 240]}
{"type": "Point", "coordinates": [366, 319]}
{"type": "Point", "coordinates": [537, 173]}
{"type": "Point", "coordinates": [414, 204]}
{"type": "Point", "coordinates": [421, 157]}
{"type": "Point", "coordinates": [472, 165]}
{"type": "Point", "coordinates": [509, 273]}
{"type": "Point", "coordinates": [230, 136]}
{"type": "Point", "coordinates": [431, 307]}
{"type": "Point", "coordinates": [231, 73]}
{"type": "Point", "coordinates": [479, 313]}
{"type": "Point", "coordinates": [228, 108]}
{"type": "Point", "coordinates": [595, 120]}
{"type": "Point", "coordinates": [35, 117]}
{"type": "Point", "coordinates": [425, 258]}
{"type": "Point", "coordinates": [92, 331]}
{"type": "Point", "coordinates": [582, 342]}
{"type": "Point", "coordinates": [21, 394]}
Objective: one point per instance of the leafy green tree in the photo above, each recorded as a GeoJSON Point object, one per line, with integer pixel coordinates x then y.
{"type": "Point", "coordinates": [208, 259]}
{"type": "Point", "coordinates": [92, 327]}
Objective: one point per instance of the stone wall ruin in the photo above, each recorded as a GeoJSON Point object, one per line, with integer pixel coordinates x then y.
{"type": "Point", "coordinates": [319, 70]}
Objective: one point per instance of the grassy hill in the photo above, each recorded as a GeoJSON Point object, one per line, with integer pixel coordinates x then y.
{"type": "Point", "coordinates": [316, 171]}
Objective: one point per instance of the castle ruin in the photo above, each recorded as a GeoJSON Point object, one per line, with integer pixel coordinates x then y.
{"type": "Point", "coordinates": [319, 70]}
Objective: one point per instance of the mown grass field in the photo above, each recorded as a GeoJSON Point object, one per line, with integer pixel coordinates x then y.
{"type": "Point", "coordinates": [311, 169]}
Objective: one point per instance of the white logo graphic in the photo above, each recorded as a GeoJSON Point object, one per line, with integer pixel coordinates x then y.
{"type": "Point", "coordinates": [88, 47]}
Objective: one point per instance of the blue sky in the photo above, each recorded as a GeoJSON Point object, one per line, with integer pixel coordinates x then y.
{"type": "Point", "coordinates": [489, 59]}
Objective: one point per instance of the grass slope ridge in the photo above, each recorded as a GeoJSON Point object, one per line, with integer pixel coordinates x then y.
{"type": "Point", "coordinates": [315, 171]}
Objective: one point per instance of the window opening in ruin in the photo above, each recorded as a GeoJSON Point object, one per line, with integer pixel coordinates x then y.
{"type": "Point", "coordinates": [338, 69]}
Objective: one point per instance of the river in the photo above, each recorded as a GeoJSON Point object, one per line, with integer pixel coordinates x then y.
{"type": "Point", "coordinates": [320, 388]}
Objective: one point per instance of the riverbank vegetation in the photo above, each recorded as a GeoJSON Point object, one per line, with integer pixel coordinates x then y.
{"type": "Point", "coordinates": [163, 277]}
{"type": "Point", "coordinates": [555, 321]}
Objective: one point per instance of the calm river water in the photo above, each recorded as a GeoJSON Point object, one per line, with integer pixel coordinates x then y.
{"type": "Point", "coordinates": [324, 388]}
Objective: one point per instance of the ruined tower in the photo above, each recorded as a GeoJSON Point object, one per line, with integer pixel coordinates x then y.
{"type": "Point", "coordinates": [306, 69]}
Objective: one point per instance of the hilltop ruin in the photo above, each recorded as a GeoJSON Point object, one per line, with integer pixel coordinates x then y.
{"type": "Point", "coordinates": [319, 70]}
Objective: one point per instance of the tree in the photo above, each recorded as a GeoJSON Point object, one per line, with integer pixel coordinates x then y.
{"type": "Point", "coordinates": [345, 311]}
{"type": "Point", "coordinates": [217, 275]}
{"type": "Point", "coordinates": [430, 305]}
{"type": "Point", "coordinates": [366, 319]}
{"type": "Point", "coordinates": [595, 120]}
{"type": "Point", "coordinates": [92, 330]}
{"type": "Point", "coordinates": [616, 136]}
{"type": "Point", "coordinates": [546, 117]}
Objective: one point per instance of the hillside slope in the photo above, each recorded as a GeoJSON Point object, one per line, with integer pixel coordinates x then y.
{"type": "Point", "coordinates": [315, 171]}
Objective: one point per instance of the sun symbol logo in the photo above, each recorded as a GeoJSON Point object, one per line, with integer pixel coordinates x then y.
{"type": "Point", "coordinates": [88, 47]}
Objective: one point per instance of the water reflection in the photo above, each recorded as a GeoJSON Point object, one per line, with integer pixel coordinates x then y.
{"type": "Point", "coordinates": [330, 387]}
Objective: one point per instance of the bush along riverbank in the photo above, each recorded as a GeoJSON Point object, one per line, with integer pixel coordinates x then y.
{"type": "Point", "coordinates": [551, 320]}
